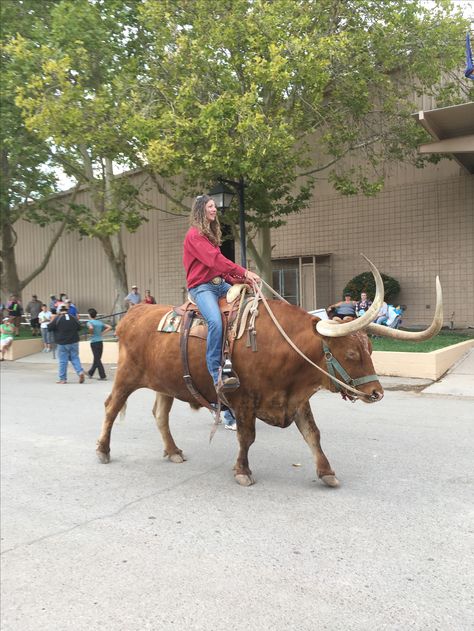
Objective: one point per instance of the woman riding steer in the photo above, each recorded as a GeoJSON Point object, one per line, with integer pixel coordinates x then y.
{"type": "Point", "coordinates": [207, 271]}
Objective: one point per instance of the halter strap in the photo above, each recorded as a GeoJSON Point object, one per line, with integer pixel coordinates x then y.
{"type": "Point", "coordinates": [334, 365]}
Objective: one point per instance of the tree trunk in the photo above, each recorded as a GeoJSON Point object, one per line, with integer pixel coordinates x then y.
{"type": "Point", "coordinates": [265, 247]}
{"type": "Point", "coordinates": [114, 251]}
{"type": "Point", "coordinates": [263, 256]}
{"type": "Point", "coordinates": [10, 281]}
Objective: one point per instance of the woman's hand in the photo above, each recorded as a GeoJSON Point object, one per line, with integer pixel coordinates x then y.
{"type": "Point", "coordinates": [252, 276]}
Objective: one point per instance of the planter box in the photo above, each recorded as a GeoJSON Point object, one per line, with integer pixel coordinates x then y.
{"type": "Point", "coordinates": [109, 356]}
{"type": "Point", "coordinates": [22, 348]}
{"type": "Point", "coordinates": [390, 364]}
{"type": "Point", "coordinates": [419, 365]}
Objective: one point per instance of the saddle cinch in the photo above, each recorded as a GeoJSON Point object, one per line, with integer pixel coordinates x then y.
{"type": "Point", "coordinates": [238, 315]}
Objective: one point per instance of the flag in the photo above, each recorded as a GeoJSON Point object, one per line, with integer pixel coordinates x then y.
{"type": "Point", "coordinates": [469, 72]}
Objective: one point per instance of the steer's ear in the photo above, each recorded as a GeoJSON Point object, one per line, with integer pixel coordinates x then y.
{"type": "Point", "coordinates": [314, 321]}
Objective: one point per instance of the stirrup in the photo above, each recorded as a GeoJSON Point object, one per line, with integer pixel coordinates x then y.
{"type": "Point", "coordinates": [230, 383]}
{"type": "Point", "coordinates": [226, 382]}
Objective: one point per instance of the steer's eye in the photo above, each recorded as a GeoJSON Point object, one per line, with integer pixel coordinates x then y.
{"type": "Point", "coordinates": [352, 355]}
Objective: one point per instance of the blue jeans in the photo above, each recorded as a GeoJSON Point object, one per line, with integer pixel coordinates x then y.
{"type": "Point", "coordinates": [229, 418]}
{"type": "Point", "coordinates": [206, 296]}
{"type": "Point", "coordinates": [68, 352]}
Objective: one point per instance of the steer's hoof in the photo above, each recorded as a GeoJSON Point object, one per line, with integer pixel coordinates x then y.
{"type": "Point", "coordinates": [103, 458]}
{"type": "Point", "coordinates": [330, 480]}
{"type": "Point", "coordinates": [177, 458]}
{"type": "Point", "coordinates": [244, 480]}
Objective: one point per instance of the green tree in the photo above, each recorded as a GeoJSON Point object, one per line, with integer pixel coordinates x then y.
{"type": "Point", "coordinates": [74, 93]}
{"type": "Point", "coordinates": [365, 282]}
{"type": "Point", "coordinates": [279, 92]}
{"type": "Point", "coordinates": [26, 161]}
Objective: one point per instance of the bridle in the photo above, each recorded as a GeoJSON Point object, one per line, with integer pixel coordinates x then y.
{"type": "Point", "coordinates": [333, 365]}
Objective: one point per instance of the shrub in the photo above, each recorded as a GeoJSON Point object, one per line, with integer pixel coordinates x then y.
{"type": "Point", "coordinates": [365, 282]}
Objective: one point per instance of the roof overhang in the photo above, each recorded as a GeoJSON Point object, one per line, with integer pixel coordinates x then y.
{"type": "Point", "coordinates": [452, 129]}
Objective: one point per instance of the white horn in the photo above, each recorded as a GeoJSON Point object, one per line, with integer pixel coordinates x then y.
{"type": "Point", "coordinates": [333, 329]}
{"type": "Point", "coordinates": [415, 336]}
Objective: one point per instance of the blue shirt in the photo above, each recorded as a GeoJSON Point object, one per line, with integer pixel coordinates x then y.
{"type": "Point", "coordinates": [98, 327]}
{"type": "Point", "coordinates": [133, 298]}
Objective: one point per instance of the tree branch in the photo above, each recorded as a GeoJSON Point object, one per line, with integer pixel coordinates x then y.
{"type": "Point", "coordinates": [54, 240]}
{"type": "Point", "coordinates": [162, 190]}
{"type": "Point", "coordinates": [361, 145]}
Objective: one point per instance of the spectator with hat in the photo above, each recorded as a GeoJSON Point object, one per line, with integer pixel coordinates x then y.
{"type": "Point", "coordinates": [133, 297]}
{"type": "Point", "coordinates": [72, 309]}
{"type": "Point", "coordinates": [7, 335]}
{"type": "Point", "coordinates": [66, 330]}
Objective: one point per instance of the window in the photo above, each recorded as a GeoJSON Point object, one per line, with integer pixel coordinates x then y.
{"type": "Point", "coordinates": [286, 279]}
{"type": "Point", "coordinates": [304, 281]}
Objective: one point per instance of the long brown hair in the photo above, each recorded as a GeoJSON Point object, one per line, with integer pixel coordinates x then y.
{"type": "Point", "coordinates": [197, 218]}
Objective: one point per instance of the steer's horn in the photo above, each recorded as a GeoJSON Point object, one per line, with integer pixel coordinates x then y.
{"type": "Point", "coordinates": [415, 336]}
{"type": "Point", "coordinates": [334, 329]}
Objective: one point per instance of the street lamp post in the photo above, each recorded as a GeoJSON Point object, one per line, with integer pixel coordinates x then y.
{"type": "Point", "coordinates": [222, 197]}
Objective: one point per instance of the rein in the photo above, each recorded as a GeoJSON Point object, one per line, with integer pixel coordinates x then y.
{"type": "Point", "coordinates": [331, 361]}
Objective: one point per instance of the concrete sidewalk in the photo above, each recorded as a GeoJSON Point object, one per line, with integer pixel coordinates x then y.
{"type": "Point", "coordinates": [458, 381]}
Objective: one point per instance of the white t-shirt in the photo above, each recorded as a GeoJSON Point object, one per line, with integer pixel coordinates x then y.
{"type": "Point", "coordinates": [44, 317]}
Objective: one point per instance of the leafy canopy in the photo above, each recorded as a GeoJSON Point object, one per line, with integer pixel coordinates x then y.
{"type": "Point", "coordinates": [74, 93]}
{"type": "Point", "coordinates": [276, 92]}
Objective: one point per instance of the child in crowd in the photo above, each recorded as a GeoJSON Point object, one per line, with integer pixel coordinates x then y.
{"type": "Point", "coordinates": [97, 328]}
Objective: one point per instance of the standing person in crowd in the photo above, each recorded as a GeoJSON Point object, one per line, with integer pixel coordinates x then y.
{"type": "Point", "coordinates": [44, 318]}
{"type": "Point", "coordinates": [207, 270]}
{"type": "Point", "coordinates": [61, 301]}
{"type": "Point", "coordinates": [71, 307]}
{"type": "Point", "coordinates": [66, 330]}
{"type": "Point", "coordinates": [97, 328]}
{"type": "Point", "coordinates": [52, 302]}
{"type": "Point", "coordinates": [363, 304]}
{"type": "Point", "coordinates": [15, 311]}
{"type": "Point", "coordinates": [34, 308]}
{"type": "Point", "coordinates": [52, 339]}
{"type": "Point", "coordinates": [133, 297]}
{"type": "Point", "coordinates": [7, 335]}
{"type": "Point", "coordinates": [346, 307]}
{"type": "Point", "coordinates": [149, 299]}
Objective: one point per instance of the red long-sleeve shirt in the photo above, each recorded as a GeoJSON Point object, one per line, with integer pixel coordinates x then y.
{"type": "Point", "coordinates": [203, 261]}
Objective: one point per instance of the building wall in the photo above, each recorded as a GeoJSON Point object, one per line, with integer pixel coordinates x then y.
{"type": "Point", "coordinates": [421, 225]}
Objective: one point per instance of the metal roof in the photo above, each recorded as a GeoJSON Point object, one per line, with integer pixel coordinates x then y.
{"type": "Point", "coordinates": [452, 129]}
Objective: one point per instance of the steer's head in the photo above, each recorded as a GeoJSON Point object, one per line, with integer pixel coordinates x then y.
{"type": "Point", "coordinates": [349, 357]}
{"type": "Point", "coordinates": [348, 344]}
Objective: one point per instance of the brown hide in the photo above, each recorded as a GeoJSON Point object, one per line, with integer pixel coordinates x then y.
{"type": "Point", "coordinates": [275, 380]}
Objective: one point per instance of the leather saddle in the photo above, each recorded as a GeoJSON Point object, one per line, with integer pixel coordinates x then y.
{"type": "Point", "coordinates": [231, 307]}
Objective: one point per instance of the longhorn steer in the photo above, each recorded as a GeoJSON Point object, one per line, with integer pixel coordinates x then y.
{"type": "Point", "coordinates": [276, 383]}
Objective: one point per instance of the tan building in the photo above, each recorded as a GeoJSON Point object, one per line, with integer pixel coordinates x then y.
{"type": "Point", "coordinates": [420, 226]}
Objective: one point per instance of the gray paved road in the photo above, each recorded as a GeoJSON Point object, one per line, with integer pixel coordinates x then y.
{"type": "Point", "coordinates": [145, 544]}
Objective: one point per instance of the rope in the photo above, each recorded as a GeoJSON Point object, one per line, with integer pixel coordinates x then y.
{"type": "Point", "coordinates": [259, 293]}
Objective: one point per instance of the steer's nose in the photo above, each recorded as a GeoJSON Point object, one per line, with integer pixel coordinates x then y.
{"type": "Point", "coordinates": [376, 395]}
